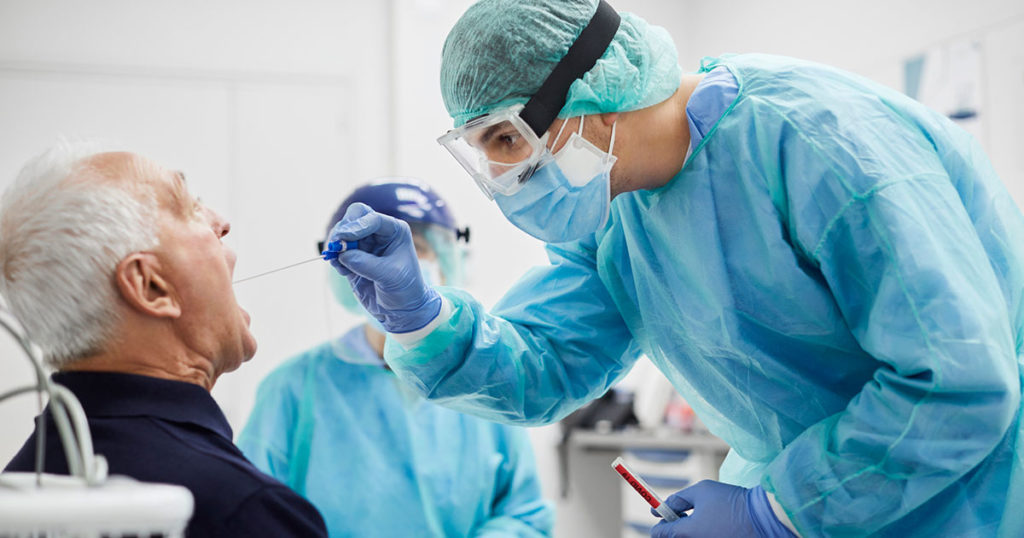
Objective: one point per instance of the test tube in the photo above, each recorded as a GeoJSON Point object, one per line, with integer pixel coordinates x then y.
{"type": "Point", "coordinates": [644, 490]}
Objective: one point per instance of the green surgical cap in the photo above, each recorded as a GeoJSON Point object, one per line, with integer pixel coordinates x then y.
{"type": "Point", "coordinates": [501, 51]}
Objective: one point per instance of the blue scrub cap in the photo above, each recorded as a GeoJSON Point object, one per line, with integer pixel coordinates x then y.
{"type": "Point", "coordinates": [407, 199]}
{"type": "Point", "coordinates": [501, 51]}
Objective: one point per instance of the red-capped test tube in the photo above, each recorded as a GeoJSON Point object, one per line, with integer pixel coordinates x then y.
{"type": "Point", "coordinates": [644, 490]}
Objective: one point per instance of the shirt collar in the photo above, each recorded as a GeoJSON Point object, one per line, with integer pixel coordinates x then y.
{"type": "Point", "coordinates": [110, 394]}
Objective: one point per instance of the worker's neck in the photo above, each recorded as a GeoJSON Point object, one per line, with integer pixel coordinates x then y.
{"type": "Point", "coordinates": [161, 358]}
{"type": "Point", "coordinates": [655, 141]}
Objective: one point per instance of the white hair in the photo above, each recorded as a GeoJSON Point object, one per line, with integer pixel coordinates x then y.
{"type": "Point", "coordinates": [64, 227]}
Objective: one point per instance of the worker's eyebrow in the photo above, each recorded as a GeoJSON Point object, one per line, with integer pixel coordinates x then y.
{"type": "Point", "coordinates": [489, 133]}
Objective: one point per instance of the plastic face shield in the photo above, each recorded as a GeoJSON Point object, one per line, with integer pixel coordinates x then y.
{"type": "Point", "coordinates": [499, 150]}
{"type": "Point", "coordinates": [450, 254]}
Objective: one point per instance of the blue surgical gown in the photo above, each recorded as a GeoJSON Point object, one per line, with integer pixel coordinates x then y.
{"type": "Point", "coordinates": [378, 460]}
{"type": "Point", "coordinates": [833, 281]}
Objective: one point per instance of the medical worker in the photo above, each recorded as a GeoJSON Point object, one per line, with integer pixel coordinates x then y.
{"type": "Point", "coordinates": [374, 457]}
{"type": "Point", "coordinates": [827, 271]}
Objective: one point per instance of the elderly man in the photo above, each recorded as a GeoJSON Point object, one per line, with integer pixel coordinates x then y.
{"type": "Point", "coordinates": [120, 276]}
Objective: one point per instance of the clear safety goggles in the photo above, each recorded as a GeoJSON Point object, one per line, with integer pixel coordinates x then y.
{"type": "Point", "coordinates": [499, 150]}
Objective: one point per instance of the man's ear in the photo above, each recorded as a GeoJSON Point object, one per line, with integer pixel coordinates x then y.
{"type": "Point", "coordinates": [608, 118]}
{"type": "Point", "coordinates": [142, 286]}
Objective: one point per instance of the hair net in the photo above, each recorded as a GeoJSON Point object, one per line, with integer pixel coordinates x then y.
{"type": "Point", "coordinates": [501, 51]}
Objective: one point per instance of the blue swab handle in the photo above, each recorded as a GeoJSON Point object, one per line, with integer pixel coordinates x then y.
{"type": "Point", "coordinates": [334, 248]}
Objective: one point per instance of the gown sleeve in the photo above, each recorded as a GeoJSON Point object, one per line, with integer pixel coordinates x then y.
{"type": "Point", "coordinates": [554, 342]}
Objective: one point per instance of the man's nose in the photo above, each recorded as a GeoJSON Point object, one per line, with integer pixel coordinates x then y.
{"type": "Point", "coordinates": [220, 225]}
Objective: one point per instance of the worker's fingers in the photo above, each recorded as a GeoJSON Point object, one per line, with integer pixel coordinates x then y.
{"type": "Point", "coordinates": [374, 231]}
{"type": "Point", "coordinates": [341, 269]}
{"type": "Point", "coordinates": [362, 264]}
{"type": "Point", "coordinates": [679, 503]}
{"type": "Point", "coordinates": [670, 529]}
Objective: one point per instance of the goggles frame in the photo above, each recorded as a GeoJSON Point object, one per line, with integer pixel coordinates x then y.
{"type": "Point", "coordinates": [510, 181]}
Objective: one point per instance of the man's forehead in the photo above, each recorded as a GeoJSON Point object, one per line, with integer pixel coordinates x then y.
{"type": "Point", "coordinates": [111, 164]}
{"type": "Point", "coordinates": [123, 165]}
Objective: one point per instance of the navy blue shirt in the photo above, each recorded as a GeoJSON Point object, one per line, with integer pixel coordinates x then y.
{"type": "Point", "coordinates": [157, 430]}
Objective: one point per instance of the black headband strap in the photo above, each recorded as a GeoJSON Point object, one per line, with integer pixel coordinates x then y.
{"type": "Point", "coordinates": [542, 109]}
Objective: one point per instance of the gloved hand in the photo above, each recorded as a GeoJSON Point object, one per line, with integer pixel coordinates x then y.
{"type": "Point", "coordinates": [721, 510]}
{"type": "Point", "coordinates": [384, 271]}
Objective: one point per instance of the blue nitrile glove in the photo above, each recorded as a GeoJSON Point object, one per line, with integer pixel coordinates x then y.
{"type": "Point", "coordinates": [384, 271]}
{"type": "Point", "coordinates": [721, 509]}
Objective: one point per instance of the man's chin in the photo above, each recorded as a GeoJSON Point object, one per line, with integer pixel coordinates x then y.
{"type": "Point", "coordinates": [249, 348]}
{"type": "Point", "coordinates": [248, 340]}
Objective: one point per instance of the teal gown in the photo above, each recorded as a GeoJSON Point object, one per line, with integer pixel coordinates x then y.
{"type": "Point", "coordinates": [378, 460]}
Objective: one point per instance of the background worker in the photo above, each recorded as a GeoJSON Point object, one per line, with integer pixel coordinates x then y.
{"type": "Point", "coordinates": [336, 425]}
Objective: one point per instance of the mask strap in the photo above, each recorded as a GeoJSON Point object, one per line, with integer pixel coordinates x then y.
{"type": "Point", "coordinates": [559, 135]}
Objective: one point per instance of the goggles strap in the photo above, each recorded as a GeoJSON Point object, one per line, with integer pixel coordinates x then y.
{"type": "Point", "coordinates": [542, 109]}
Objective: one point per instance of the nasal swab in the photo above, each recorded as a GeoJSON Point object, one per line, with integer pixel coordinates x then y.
{"type": "Point", "coordinates": [644, 490]}
{"type": "Point", "coordinates": [278, 269]}
{"type": "Point", "coordinates": [333, 249]}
